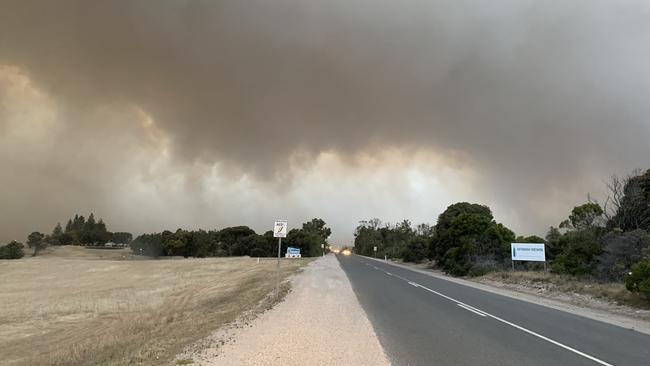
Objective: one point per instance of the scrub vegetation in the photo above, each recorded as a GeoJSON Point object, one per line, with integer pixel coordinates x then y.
{"type": "Point", "coordinates": [604, 244]}
{"type": "Point", "coordinates": [233, 241]}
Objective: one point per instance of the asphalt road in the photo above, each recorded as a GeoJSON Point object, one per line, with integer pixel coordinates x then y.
{"type": "Point", "coordinates": [422, 320]}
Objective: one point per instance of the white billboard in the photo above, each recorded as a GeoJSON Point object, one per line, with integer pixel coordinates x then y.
{"type": "Point", "coordinates": [528, 252]}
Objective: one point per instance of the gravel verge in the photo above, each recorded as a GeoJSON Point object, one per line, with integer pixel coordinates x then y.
{"type": "Point", "coordinates": [320, 323]}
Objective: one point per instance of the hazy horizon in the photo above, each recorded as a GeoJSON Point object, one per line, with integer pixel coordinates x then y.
{"type": "Point", "coordinates": [157, 115]}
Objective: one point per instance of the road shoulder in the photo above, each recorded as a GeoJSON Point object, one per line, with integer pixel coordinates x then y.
{"type": "Point", "coordinates": [320, 323]}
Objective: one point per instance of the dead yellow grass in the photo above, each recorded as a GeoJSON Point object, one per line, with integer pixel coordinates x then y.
{"type": "Point", "coordinates": [550, 282]}
{"type": "Point", "coordinates": [71, 311]}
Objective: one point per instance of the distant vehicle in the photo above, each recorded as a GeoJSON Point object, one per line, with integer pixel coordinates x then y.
{"type": "Point", "coordinates": [347, 252]}
{"type": "Point", "coordinates": [336, 251]}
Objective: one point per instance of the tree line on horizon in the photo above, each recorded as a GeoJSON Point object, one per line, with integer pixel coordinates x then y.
{"type": "Point", "coordinates": [77, 231]}
{"type": "Point", "coordinates": [232, 241]}
{"type": "Point", "coordinates": [609, 242]}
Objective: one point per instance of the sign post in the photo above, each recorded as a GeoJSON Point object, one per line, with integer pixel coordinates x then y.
{"type": "Point", "coordinates": [279, 231]}
{"type": "Point", "coordinates": [322, 249]}
{"type": "Point", "coordinates": [375, 250]}
{"type": "Point", "coordinates": [528, 252]}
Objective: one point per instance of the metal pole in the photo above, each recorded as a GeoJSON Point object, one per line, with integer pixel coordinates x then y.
{"type": "Point", "coordinates": [513, 266]}
{"type": "Point", "coordinates": [277, 281]}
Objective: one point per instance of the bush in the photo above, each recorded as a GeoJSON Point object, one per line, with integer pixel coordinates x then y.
{"type": "Point", "coordinates": [258, 252]}
{"type": "Point", "coordinates": [620, 252]}
{"type": "Point", "coordinates": [455, 263]}
{"type": "Point", "coordinates": [639, 278]}
{"type": "Point", "coordinates": [579, 250]}
{"type": "Point", "coordinates": [13, 250]}
{"type": "Point", "coordinates": [483, 265]}
{"type": "Point", "coordinates": [416, 250]}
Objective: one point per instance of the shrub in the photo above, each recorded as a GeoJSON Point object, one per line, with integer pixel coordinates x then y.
{"type": "Point", "coordinates": [579, 250]}
{"type": "Point", "coordinates": [258, 252]}
{"type": "Point", "coordinates": [13, 250]}
{"type": "Point", "coordinates": [638, 280]}
{"type": "Point", "coordinates": [620, 252]}
{"type": "Point", "coordinates": [416, 250]}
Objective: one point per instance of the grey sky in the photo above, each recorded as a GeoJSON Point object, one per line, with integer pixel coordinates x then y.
{"type": "Point", "coordinates": [165, 114]}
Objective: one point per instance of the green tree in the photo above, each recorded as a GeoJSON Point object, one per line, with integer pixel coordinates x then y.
{"type": "Point", "coordinates": [68, 226]}
{"type": "Point", "coordinates": [264, 245]}
{"type": "Point", "coordinates": [13, 250]}
{"type": "Point", "coordinates": [553, 247]}
{"type": "Point", "coordinates": [57, 235]}
{"type": "Point", "coordinates": [176, 244]}
{"type": "Point", "coordinates": [367, 236]}
{"type": "Point", "coordinates": [78, 223]}
{"type": "Point", "coordinates": [100, 234]}
{"type": "Point", "coordinates": [467, 236]}
{"type": "Point", "coordinates": [638, 280]}
{"type": "Point", "coordinates": [620, 252]}
{"type": "Point", "coordinates": [579, 251]}
{"type": "Point", "coordinates": [585, 216]}
{"type": "Point", "coordinates": [318, 227]}
{"type": "Point", "coordinates": [148, 244]}
{"type": "Point", "coordinates": [629, 200]}
{"type": "Point", "coordinates": [416, 250]}
{"type": "Point", "coordinates": [35, 240]}
{"type": "Point", "coordinates": [530, 239]}
{"type": "Point", "coordinates": [122, 238]}
{"type": "Point", "coordinates": [230, 239]}
{"type": "Point", "coordinates": [88, 235]}
{"type": "Point", "coordinates": [309, 242]}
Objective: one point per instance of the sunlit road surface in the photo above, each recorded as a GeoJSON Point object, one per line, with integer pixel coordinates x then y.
{"type": "Point", "coordinates": [422, 320]}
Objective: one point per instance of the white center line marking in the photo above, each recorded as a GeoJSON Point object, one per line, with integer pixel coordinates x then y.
{"type": "Point", "coordinates": [481, 312]}
{"type": "Point", "coordinates": [472, 310]}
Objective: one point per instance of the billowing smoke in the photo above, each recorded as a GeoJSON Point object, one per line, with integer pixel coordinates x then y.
{"type": "Point", "coordinates": [206, 113]}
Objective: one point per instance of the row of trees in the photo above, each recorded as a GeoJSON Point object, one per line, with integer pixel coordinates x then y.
{"type": "Point", "coordinates": [609, 242]}
{"type": "Point", "coordinates": [232, 241]}
{"type": "Point", "coordinates": [78, 231]}
{"type": "Point", "coordinates": [466, 239]}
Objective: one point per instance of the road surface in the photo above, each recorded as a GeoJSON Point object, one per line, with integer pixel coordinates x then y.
{"type": "Point", "coordinates": [422, 320]}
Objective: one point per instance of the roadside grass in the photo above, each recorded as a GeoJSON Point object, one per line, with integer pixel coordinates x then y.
{"type": "Point", "coordinates": [551, 282]}
{"type": "Point", "coordinates": [71, 311]}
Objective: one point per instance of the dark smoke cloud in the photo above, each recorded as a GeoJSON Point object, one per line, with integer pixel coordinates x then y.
{"type": "Point", "coordinates": [544, 97]}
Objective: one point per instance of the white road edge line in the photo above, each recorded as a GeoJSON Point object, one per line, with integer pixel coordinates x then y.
{"type": "Point", "coordinates": [473, 309]}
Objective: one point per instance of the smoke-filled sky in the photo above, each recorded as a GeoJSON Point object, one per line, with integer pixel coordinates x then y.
{"type": "Point", "coordinates": [164, 114]}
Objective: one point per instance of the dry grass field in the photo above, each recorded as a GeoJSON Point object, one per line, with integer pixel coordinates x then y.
{"type": "Point", "coordinates": [77, 306]}
{"type": "Point", "coordinates": [540, 282]}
